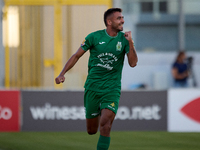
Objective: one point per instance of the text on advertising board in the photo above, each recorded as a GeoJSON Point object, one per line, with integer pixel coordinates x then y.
{"type": "Point", "coordinates": [9, 111]}
{"type": "Point", "coordinates": [49, 112]}
{"type": "Point", "coordinates": [5, 113]}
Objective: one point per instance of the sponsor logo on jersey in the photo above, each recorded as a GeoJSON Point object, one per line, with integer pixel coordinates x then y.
{"type": "Point", "coordinates": [119, 46]}
{"type": "Point", "coordinates": [112, 105]}
{"type": "Point", "coordinates": [83, 43]}
{"type": "Point", "coordinates": [95, 114]}
{"type": "Point", "coordinates": [102, 42]}
{"type": "Point", "coordinates": [106, 60]}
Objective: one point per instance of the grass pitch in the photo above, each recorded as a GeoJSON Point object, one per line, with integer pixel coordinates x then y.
{"type": "Point", "coordinates": [81, 141]}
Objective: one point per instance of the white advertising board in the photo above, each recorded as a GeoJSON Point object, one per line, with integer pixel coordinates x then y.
{"type": "Point", "coordinates": [184, 110]}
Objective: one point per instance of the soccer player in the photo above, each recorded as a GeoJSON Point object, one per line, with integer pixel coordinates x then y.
{"type": "Point", "coordinates": [103, 85]}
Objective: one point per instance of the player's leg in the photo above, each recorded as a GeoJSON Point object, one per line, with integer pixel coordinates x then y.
{"type": "Point", "coordinates": [92, 111]}
{"type": "Point", "coordinates": [92, 125]}
{"type": "Point", "coordinates": [106, 120]}
{"type": "Point", "coordinates": [109, 107]}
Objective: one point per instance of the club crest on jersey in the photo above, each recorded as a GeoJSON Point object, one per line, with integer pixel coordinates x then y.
{"type": "Point", "coordinates": [119, 46]}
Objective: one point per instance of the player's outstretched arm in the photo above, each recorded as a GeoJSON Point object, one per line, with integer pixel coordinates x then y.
{"type": "Point", "coordinates": [70, 63]}
{"type": "Point", "coordinates": [132, 55]}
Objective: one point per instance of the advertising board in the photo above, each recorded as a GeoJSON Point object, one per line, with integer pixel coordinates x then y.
{"type": "Point", "coordinates": [142, 110]}
{"type": "Point", "coordinates": [184, 110]}
{"type": "Point", "coordinates": [53, 111]}
{"type": "Point", "coordinates": [64, 111]}
{"type": "Point", "coordinates": [9, 110]}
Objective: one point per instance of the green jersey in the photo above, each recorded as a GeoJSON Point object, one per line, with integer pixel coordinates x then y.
{"type": "Point", "coordinates": [106, 60]}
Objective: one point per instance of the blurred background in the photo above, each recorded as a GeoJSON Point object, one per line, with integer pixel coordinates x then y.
{"type": "Point", "coordinates": [38, 37]}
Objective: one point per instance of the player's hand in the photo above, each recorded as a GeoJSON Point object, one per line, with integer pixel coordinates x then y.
{"type": "Point", "coordinates": [60, 79]}
{"type": "Point", "coordinates": [128, 35]}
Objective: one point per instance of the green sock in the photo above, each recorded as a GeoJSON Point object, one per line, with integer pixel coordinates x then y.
{"type": "Point", "coordinates": [103, 143]}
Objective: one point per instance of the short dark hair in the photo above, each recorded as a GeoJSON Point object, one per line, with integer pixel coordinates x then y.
{"type": "Point", "coordinates": [110, 12]}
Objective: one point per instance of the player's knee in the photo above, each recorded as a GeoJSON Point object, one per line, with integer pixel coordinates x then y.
{"type": "Point", "coordinates": [105, 127]}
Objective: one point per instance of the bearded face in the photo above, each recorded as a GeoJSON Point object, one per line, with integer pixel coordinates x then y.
{"type": "Point", "coordinates": [117, 21]}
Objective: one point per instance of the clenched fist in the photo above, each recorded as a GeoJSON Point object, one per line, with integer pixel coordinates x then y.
{"type": "Point", "coordinates": [59, 79]}
{"type": "Point", "coordinates": [128, 35]}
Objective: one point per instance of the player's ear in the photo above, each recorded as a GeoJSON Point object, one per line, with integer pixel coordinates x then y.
{"type": "Point", "coordinates": [109, 22]}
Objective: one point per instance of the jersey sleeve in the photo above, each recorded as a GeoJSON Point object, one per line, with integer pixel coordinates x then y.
{"type": "Point", "coordinates": [87, 43]}
{"type": "Point", "coordinates": [126, 47]}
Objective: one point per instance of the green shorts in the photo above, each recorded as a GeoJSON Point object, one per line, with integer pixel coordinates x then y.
{"type": "Point", "coordinates": [94, 102]}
